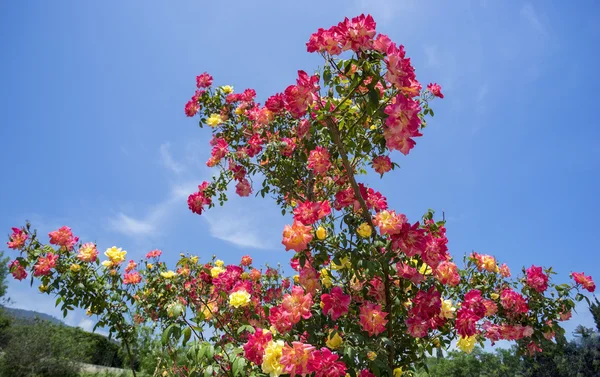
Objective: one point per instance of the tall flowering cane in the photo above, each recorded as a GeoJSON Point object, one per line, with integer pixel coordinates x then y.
{"type": "Point", "coordinates": [373, 292]}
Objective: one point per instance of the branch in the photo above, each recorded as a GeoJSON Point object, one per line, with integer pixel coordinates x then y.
{"type": "Point", "coordinates": [366, 214]}
{"type": "Point", "coordinates": [335, 134]}
{"type": "Point", "coordinates": [200, 336]}
{"type": "Point", "coordinates": [124, 340]}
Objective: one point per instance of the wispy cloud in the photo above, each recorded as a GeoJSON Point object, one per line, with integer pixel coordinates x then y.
{"type": "Point", "coordinates": [22, 298]}
{"type": "Point", "coordinates": [150, 222]}
{"type": "Point", "coordinates": [244, 222]}
{"type": "Point", "coordinates": [480, 107]}
{"type": "Point", "coordinates": [168, 161]}
{"type": "Point", "coordinates": [529, 13]}
{"type": "Point", "coordinates": [86, 324]}
{"type": "Point", "coordinates": [385, 11]}
{"type": "Point", "coordinates": [128, 225]}
{"type": "Point", "coordinates": [431, 54]}
{"type": "Point", "coordinates": [235, 229]}
{"type": "Point", "coordinates": [482, 92]}
{"type": "Point", "coordinates": [240, 222]}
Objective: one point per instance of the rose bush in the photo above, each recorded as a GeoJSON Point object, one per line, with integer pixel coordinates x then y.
{"type": "Point", "coordinates": [373, 293]}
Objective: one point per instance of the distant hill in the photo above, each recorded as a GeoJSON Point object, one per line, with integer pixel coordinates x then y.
{"type": "Point", "coordinates": [30, 315]}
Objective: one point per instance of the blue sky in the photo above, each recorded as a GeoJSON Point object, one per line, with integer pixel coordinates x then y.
{"type": "Point", "coordinates": [94, 135]}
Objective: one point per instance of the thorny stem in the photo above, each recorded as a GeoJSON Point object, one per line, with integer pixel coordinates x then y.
{"type": "Point", "coordinates": [367, 216]}
{"type": "Point", "coordinates": [342, 151]}
{"type": "Point", "coordinates": [200, 336]}
{"type": "Point", "coordinates": [174, 357]}
{"type": "Point", "coordinates": [216, 317]}
{"type": "Point", "coordinates": [130, 358]}
{"type": "Point", "coordinates": [123, 338]}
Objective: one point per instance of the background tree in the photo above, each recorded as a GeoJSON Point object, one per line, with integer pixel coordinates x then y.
{"type": "Point", "coordinates": [40, 350]}
{"type": "Point", "coordinates": [595, 310]}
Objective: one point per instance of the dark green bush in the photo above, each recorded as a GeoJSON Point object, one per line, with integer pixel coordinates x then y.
{"type": "Point", "coordinates": [39, 350]}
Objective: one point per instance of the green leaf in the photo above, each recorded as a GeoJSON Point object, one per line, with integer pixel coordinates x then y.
{"type": "Point", "coordinates": [373, 99]}
{"type": "Point", "coordinates": [327, 75]}
{"type": "Point", "coordinates": [238, 366]}
{"type": "Point", "coordinates": [187, 333]}
{"type": "Point", "coordinates": [210, 351]}
{"type": "Point", "coordinates": [201, 352]}
{"type": "Point", "coordinates": [166, 334]}
{"type": "Point", "coordinates": [348, 66]}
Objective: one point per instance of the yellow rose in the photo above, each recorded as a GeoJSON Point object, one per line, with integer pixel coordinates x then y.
{"type": "Point", "coordinates": [326, 278]}
{"type": "Point", "coordinates": [489, 263]}
{"type": "Point", "coordinates": [467, 344]}
{"type": "Point", "coordinates": [149, 266]}
{"type": "Point", "coordinates": [115, 256]}
{"type": "Point", "coordinates": [334, 341]}
{"type": "Point", "coordinates": [216, 271]}
{"type": "Point", "coordinates": [43, 288]}
{"type": "Point", "coordinates": [227, 89]}
{"type": "Point", "coordinates": [168, 275]}
{"type": "Point", "coordinates": [75, 267]}
{"type": "Point", "coordinates": [344, 263]}
{"type": "Point", "coordinates": [447, 309]}
{"type": "Point", "coordinates": [209, 309]}
{"type": "Point", "coordinates": [272, 357]}
{"type": "Point", "coordinates": [494, 296]}
{"type": "Point", "coordinates": [364, 230]}
{"type": "Point", "coordinates": [296, 279]}
{"type": "Point", "coordinates": [321, 233]}
{"type": "Point", "coordinates": [239, 299]}
{"type": "Point", "coordinates": [371, 355]}
{"type": "Point", "coordinates": [219, 263]}
{"type": "Point", "coordinates": [214, 120]}
{"type": "Point", "coordinates": [194, 259]}
{"type": "Point", "coordinates": [425, 269]}
{"type": "Point", "coordinates": [398, 372]}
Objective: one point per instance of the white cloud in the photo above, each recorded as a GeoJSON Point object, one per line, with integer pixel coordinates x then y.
{"type": "Point", "coordinates": [241, 221]}
{"type": "Point", "coordinates": [242, 226]}
{"type": "Point", "coordinates": [168, 161]}
{"type": "Point", "coordinates": [385, 11]}
{"type": "Point", "coordinates": [431, 53]}
{"type": "Point", "coordinates": [581, 316]}
{"type": "Point", "coordinates": [531, 16]}
{"type": "Point", "coordinates": [86, 324]}
{"type": "Point", "coordinates": [158, 214]}
{"type": "Point", "coordinates": [482, 92]}
{"type": "Point", "coordinates": [149, 223]}
{"type": "Point", "coordinates": [128, 225]}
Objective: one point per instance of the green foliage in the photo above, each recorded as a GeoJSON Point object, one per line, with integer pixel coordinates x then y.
{"type": "Point", "coordinates": [595, 310]}
{"type": "Point", "coordinates": [503, 363]}
{"type": "Point", "coordinates": [105, 374]}
{"type": "Point", "coordinates": [578, 358]}
{"type": "Point", "coordinates": [3, 274]}
{"type": "Point", "coordinates": [97, 349]}
{"type": "Point", "coordinates": [39, 350]}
